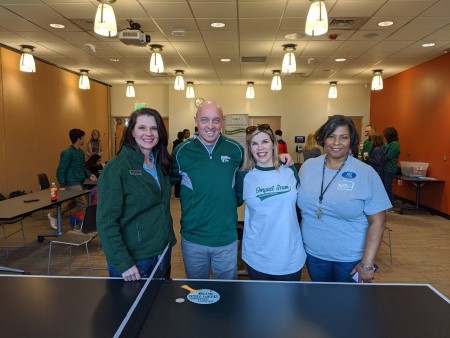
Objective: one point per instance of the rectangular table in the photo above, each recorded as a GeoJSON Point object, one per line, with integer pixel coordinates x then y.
{"type": "Point", "coordinates": [96, 307]}
{"type": "Point", "coordinates": [17, 207]}
{"type": "Point", "coordinates": [418, 182]}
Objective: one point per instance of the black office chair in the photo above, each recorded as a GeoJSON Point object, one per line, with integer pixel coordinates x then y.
{"type": "Point", "coordinates": [44, 184]}
{"type": "Point", "coordinates": [43, 181]}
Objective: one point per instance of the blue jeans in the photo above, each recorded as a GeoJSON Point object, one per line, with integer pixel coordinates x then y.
{"type": "Point", "coordinates": [257, 275]}
{"type": "Point", "coordinates": [328, 271]}
{"type": "Point", "coordinates": [146, 266]}
{"type": "Point", "coordinates": [387, 181]}
{"type": "Point", "coordinates": [200, 260]}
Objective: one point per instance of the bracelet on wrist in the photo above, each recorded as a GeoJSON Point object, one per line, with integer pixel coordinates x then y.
{"type": "Point", "coordinates": [366, 267]}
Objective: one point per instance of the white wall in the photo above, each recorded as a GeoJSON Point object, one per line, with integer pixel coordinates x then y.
{"type": "Point", "coordinates": [303, 108]}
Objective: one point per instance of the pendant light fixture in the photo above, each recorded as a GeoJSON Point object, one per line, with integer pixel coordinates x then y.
{"type": "Point", "coordinates": [190, 94]}
{"type": "Point", "coordinates": [130, 89]}
{"type": "Point", "coordinates": [156, 61]}
{"type": "Point", "coordinates": [27, 64]}
{"type": "Point", "coordinates": [105, 20]}
{"type": "Point", "coordinates": [250, 94]}
{"type": "Point", "coordinates": [84, 80]}
{"type": "Point", "coordinates": [317, 19]}
{"type": "Point", "coordinates": [377, 81]}
{"type": "Point", "coordinates": [179, 80]}
{"type": "Point", "coordinates": [289, 64]}
{"type": "Point", "coordinates": [332, 92]}
{"type": "Point", "coordinates": [276, 80]}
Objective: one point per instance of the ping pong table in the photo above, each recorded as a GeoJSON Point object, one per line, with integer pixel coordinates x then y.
{"type": "Point", "coordinates": [156, 307]}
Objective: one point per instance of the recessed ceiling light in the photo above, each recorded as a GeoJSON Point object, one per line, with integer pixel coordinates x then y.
{"type": "Point", "coordinates": [217, 24]}
{"type": "Point", "coordinates": [225, 60]}
{"type": "Point", "coordinates": [340, 59]}
{"type": "Point", "coordinates": [429, 44]}
{"type": "Point", "coordinates": [114, 60]}
{"type": "Point", "coordinates": [57, 25]}
{"type": "Point", "coordinates": [294, 36]}
{"type": "Point", "coordinates": [385, 23]}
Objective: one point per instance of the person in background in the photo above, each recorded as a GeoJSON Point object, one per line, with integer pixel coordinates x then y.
{"type": "Point", "coordinates": [272, 246]}
{"type": "Point", "coordinates": [378, 154]}
{"type": "Point", "coordinates": [180, 139]}
{"type": "Point", "coordinates": [343, 206]}
{"type": "Point", "coordinates": [311, 148]}
{"type": "Point", "coordinates": [186, 134]}
{"type": "Point", "coordinates": [206, 165]}
{"type": "Point", "coordinates": [367, 145]}
{"type": "Point", "coordinates": [94, 165]}
{"type": "Point", "coordinates": [282, 146]}
{"type": "Point", "coordinates": [94, 145]}
{"type": "Point", "coordinates": [72, 172]}
{"type": "Point", "coordinates": [133, 212]}
{"type": "Point", "coordinates": [391, 159]}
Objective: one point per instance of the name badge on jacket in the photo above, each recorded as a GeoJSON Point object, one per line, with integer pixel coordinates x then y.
{"type": "Point", "coordinates": [135, 172]}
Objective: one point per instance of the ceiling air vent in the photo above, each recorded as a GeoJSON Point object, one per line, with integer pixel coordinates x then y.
{"type": "Point", "coordinates": [347, 23]}
{"type": "Point", "coordinates": [296, 75]}
{"type": "Point", "coordinates": [253, 59]}
{"type": "Point", "coordinates": [161, 75]}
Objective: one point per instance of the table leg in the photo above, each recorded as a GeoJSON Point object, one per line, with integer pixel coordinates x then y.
{"type": "Point", "coordinates": [418, 186]}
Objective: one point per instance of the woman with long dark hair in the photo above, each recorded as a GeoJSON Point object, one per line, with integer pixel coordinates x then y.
{"type": "Point", "coordinates": [133, 213]}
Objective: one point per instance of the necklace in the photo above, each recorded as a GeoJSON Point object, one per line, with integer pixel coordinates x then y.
{"type": "Point", "coordinates": [319, 211]}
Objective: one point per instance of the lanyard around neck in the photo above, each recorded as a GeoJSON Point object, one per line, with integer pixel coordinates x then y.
{"type": "Point", "coordinates": [322, 192]}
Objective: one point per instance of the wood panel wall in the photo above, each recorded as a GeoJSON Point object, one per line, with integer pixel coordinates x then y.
{"type": "Point", "coordinates": [417, 103]}
{"type": "Point", "coordinates": [36, 113]}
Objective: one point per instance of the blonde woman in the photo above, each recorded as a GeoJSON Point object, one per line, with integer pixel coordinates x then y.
{"type": "Point", "coordinates": [272, 246]}
{"type": "Point", "coordinates": [311, 148]}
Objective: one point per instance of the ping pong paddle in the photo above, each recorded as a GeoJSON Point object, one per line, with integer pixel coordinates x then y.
{"type": "Point", "coordinates": [202, 296]}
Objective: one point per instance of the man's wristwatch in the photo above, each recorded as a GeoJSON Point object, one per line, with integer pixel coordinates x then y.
{"type": "Point", "coordinates": [366, 267]}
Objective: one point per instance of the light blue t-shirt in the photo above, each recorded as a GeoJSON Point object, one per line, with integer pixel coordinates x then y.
{"type": "Point", "coordinates": [272, 241]}
{"type": "Point", "coordinates": [357, 191]}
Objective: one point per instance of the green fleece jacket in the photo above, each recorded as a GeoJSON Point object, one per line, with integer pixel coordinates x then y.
{"type": "Point", "coordinates": [208, 196]}
{"type": "Point", "coordinates": [391, 157]}
{"type": "Point", "coordinates": [133, 213]}
{"type": "Point", "coordinates": [71, 168]}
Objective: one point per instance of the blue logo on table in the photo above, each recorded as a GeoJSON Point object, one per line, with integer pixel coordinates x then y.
{"type": "Point", "coordinates": [349, 174]}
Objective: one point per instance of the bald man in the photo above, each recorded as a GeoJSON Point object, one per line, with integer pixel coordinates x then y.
{"type": "Point", "coordinates": [206, 166]}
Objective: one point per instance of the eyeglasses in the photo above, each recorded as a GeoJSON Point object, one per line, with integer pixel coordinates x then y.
{"type": "Point", "coordinates": [260, 127]}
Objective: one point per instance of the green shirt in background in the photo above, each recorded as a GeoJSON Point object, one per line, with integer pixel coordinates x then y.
{"type": "Point", "coordinates": [391, 158]}
{"type": "Point", "coordinates": [367, 148]}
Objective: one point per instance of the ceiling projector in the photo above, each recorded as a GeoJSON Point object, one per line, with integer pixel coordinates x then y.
{"type": "Point", "coordinates": [133, 35]}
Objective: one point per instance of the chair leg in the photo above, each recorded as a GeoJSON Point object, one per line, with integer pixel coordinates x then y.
{"type": "Point", "coordinates": [49, 258]}
{"type": "Point", "coordinates": [70, 258]}
{"type": "Point", "coordinates": [389, 243]}
{"type": "Point", "coordinates": [6, 236]}
{"type": "Point", "coordinates": [5, 241]}
{"type": "Point", "coordinates": [88, 256]}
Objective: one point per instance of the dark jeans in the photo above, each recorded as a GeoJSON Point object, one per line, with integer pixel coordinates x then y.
{"type": "Point", "coordinates": [387, 181]}
{"type": "Point", "coordinates": [146, 266]}
{"type": "Point", "coordinates": [257, 275]}
{"type": "Point", "coordinates": [328, 271]}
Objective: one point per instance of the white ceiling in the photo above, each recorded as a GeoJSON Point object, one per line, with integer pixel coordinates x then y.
{"type": "Point", "coordinates": [254, 28]}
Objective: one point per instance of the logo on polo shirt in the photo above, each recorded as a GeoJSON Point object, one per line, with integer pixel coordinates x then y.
{"type": "Point", "coordinates": [225, 159]}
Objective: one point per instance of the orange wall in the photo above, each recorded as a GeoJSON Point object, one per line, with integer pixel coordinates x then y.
{"type": "Point", "coordinates": [417, 103]}
{"type": "Point", "coordinates": [36, 113]}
